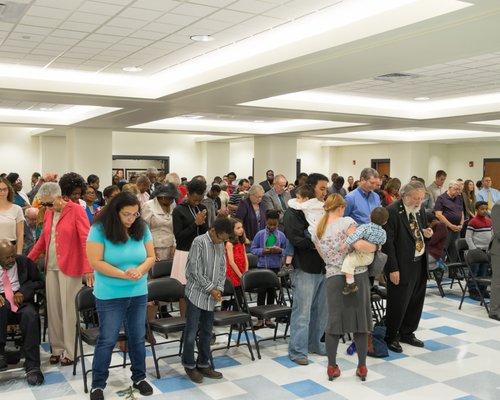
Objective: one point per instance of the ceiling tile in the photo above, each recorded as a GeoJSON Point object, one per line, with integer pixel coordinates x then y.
{"type": "Point", "coordinates": [4, 26]}
{"type": "Point", "coordinates": [63, 4]}
{"type": "Point", "coordinates": [115, 30]}
{"type": "Point", "coordinates": [14, 49]}
{"type": "Point", "coordinates": [194, 10]}
{"type": "Point", "coordinates": [36, 30]}
{"type": "Point", "coordinates": [230, 16]}
{"type": "Point", "coordinates": [88, 18]}
{"type": "Point", "coordinates": [162, 28]}
{"type": "Point", "coordinates": [213, 3]}
{"type": "Point", "coordinates": [100, 8]}
{"type": "Point", "coordinates": [130, 23]}
{"type": "Point", "coordinates": [251, 6]}
{"type": "Point", "coordinates": [78, 26]}
{"type": "Point", "coordinates": [143, 34]}
{"type": "Point", "coordinates": [48, 12]}
{"type": "Point", "coordinates": [37, 21]}
{"type": "Point", "coordinates": [159, 5]}
{"type": "Point", "coordinates": [174, 19]}
{"type": "Point", "coordinates": [96, 37]}
{"type": "Point", "coordinates": [141, 13]}
{"type": "Point", "coordinates": [68, 34]}
{"type": "Point", "coordinates": [61, 40]}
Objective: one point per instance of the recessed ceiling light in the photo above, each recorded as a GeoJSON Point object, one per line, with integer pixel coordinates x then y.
{"type": "Point", "coordinates": [421, 98]}
{"type": "Point", "coordinates": [132, 69]}
{"type": "Point", "coordinates": [202, 38]}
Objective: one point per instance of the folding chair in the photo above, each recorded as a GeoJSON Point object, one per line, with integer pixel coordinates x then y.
{"type": "Point", "coordinates": [476, 256]}
{"type": "Point", "coordinates": [168, 290]}
{"type": "Point", "coordinates": [84, 306]}
{"type": "Point", "coordinates": [263, 279]}
{"type": "Point", "coordinates": [161, 269]}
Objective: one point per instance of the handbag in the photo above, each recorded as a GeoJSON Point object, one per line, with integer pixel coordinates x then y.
{"type": "Point", "coordinates": [378, 264]}
{"type": "Point", "coordinates": [377, 347]}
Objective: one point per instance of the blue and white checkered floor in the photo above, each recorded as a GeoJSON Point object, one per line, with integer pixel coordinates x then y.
{"type": "Point", "coordinates": [460, 361]}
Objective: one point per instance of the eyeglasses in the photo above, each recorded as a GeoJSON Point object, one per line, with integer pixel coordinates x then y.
{"type": "Point", "coordinates": [49, 205]}
{"type": "Point", "coordinates": [130, 215]}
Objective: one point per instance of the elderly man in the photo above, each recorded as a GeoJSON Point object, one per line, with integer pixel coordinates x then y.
{"type": "Point", "coordinates": [19, 280]}
{"type": "Point", "coordinates": [309, 312]}
{"type": "Point", "coordinates": [267, 185]}
{"type": "Point", "coordinates": [152, 174]}
{"type": "Point", "coordinates": [488, 193]}
{"type": "Point", "coordinates": [449, 209]}
{"type": "Point", "coordinates": [30, 223]}
{"type": "Point", "coordinates": [406, 266]}
{"type": "Point", "coordinates": [495, 264]}
{"type": "Point", "coordinates": [277, 198]}
{"type": "Point", "coordinates": [361, 201]}
{"type": "Point", "coordinates": [144, 185]}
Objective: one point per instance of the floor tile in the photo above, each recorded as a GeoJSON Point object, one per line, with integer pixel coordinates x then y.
{"type": "Point", "coordinates": [448, 330]}
{"type": "Point", "coordinates": [484, 384]}
{"type": "Point", "coordinates": [305, 388]}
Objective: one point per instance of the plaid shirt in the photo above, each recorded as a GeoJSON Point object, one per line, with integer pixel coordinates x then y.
{"type": "Point", "coordinates": [371, 232]}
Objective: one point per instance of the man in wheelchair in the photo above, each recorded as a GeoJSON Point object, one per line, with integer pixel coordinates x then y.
{"type": "Point", "coordinates": [19, 279]}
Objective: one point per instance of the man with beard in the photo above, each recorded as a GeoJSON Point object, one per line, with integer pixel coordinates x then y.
{"type": "Point", "coordinates": [406, 266]}
{"type": "Point", "coordinates": [267, 185]}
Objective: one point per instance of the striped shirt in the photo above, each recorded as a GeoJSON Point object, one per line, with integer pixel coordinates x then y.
{"type": "Point", "coordinates": [205, 271]}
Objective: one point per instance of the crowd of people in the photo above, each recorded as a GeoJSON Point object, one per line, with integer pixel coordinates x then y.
{"type": "Point", "coordinates": [325, 235]}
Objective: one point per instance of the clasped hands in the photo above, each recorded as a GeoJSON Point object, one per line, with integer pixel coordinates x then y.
{"type": "Point", "coordinates": [133, 274]}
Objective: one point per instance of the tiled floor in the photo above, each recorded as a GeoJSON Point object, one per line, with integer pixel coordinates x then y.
{"type": "Point", "coordinates": [460, 361]}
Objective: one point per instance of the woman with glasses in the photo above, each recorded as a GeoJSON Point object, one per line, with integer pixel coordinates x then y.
{"type": "Point", "coordinates": [62, 241]}
{"type": "Point", "coordinates": [121, 251]}
{"type": "Point", "coordinates": [91, 208]}
{"type": "Point", "coordinates": [73, 188]}
{"type": "Point", "coordinates": [11, 217]}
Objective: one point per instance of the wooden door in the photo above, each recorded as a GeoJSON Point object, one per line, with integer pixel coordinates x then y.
{"type": "Point", "coordinates": [383, 167]}
{"type": "Point", "coordinates": [491, 168]}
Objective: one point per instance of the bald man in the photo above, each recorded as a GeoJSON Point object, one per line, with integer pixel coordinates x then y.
{"type": "Point", "coordinates": [30, 222]}
{"type": "Point", "coordinates": [19, 278]}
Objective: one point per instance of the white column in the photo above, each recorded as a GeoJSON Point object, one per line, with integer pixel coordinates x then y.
{"type": "Point", "coordinates": [90, 151]}
{"type": "Point", "coordinates": [278, 153]}
{"type": "Point", "coordinates": [53, 154]}
{"type": "Point", "coordinates": [217, 159]}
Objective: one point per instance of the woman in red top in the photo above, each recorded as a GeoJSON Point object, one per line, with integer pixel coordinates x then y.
{"type": "Point", "coordinates": [391, 192]}
{"type": "Point", "coordinates": [236, 257]}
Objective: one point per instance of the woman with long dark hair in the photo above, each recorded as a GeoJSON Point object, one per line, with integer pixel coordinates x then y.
{"type": "Point", "coordinates": [469, 197]}
{"type": "Point", "coordinates": [120, 249]}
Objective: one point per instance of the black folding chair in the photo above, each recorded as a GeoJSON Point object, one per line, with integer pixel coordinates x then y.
{"type": "Point", "coordinates": [233, 318]}
{"type": "Point", "coordinates": [168, 290]}
{"type": "Point", "coordinates": [85, 308]}
{"type": "Point", "coordinates": [161, 269]}
{"type": "Point", "coordinates": [457, 270]}
{"type": "Point", "coordinates": [263, 279]}
{"type": "Point", "coordinates": [252, 261]}
{"type": "Point", "coordinates": [476, 256]}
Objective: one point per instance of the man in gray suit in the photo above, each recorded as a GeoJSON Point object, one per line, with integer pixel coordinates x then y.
{"type": "Point", "coordinates": [495, 263]}
{"type": "Point", "coordinates": [277, 198]}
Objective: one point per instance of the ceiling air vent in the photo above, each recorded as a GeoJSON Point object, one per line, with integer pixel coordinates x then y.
{"type": "Point", "coordinates": [12, 12]}
{"type": "Point", "coordinates": [395, 76]}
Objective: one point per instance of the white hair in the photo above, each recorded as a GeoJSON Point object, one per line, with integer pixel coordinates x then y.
{"type": "Point", "coordinates": [411, 187]}
{"type": "Point", "coordinates": [49, 189]}
{"type": "Point", "coordinates": [256, 189]}
{"type": "Point", "coordinates": [454, 183]}
{"type": "Point", "coordinates": [173, 178]}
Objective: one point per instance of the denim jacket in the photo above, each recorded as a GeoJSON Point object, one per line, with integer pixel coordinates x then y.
{"type": "Point", "coordinates": [273, 260]}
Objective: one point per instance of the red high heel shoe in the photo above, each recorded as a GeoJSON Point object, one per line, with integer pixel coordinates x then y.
{"type": "Point", "coordinates": [362, 372]}
{"type": "Point", "coordinates": [333, 372]}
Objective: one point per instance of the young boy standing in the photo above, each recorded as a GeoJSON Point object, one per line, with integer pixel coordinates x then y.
{"type": "Point", "coordinates": [205, 275]}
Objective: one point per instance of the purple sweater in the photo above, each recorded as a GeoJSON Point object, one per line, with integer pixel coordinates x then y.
{"type": "Point", "coordinates": [273, 260]}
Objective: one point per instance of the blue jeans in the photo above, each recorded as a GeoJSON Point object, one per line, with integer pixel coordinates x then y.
{"type": "Point", "coordinates": [309, 314]}
{"type": "Point", "coordinates": [479, 271]}
{"type": "Point", "coordinates": [131, 311]}
{"type": "Point", "coordinates": [198, 323]}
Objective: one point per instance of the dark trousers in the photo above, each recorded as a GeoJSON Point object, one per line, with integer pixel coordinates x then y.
{"type": "Point", "coordinates": [198, 323]}
{"type": "Point", "coordinates": [406, 301]}
{"type": "Point", "coordinates": [451, 247]}
{"type": "Point", "coordinates": [269, 293]}
{"type": "Point", "coordinates": [28, 320]}
{"type": "Point", "coordinates": [479, 271]}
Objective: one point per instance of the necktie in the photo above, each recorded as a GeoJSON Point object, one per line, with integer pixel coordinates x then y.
{"type": "Point", "coordinates": [419, 241]}
{"type": "Point", "coordinates": [490, 200]}
{"type": "Point", "coordinates": [7, 290]}
{"type": "Point", "coordinates": [283, 205]}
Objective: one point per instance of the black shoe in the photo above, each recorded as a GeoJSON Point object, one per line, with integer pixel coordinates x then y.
{"type": "Point", "coordinates": [394, 346]}
{"type": "Point", "coordinates": [194, 375]}
{"type": "Point", "coordinates": [96, 394]}
{"type": "Point", "coordinates": [486, 294]}
{"type": "Point", "coordinates": [34, 377]}
{"type": "Point", "coordinates": [3, 363]}
{"type": "Point", "coordinates": [209, 372]}
{"type": "Point", "coordinates": [412, 341]}
{"type": "Point", "coordinates": [495, 317]}
{"type": "Point", "coordinates": [144, 388]}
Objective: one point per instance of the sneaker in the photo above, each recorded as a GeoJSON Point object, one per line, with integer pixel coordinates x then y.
{"type": "Point", "coordinates": [301, 361]}
{"type": "Point", "coordinates": [144, 388]}
{"type": "Point", "coordinates": [209, 372]}
{"type": "Point", "coordinates": [96, 394]}
{"type": "Point", "coordinates": [34, 377]}
{"type": "Point", "coordinates": [350, 288]}
{"type": "Point", "coordinates": [194, 374]}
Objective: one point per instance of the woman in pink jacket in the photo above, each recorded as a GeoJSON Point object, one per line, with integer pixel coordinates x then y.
{"type": "Point", "coordinates": [62, 241]}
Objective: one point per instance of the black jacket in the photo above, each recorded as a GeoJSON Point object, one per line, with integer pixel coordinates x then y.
{"type": "Point", "coordinates": [185, 230]}
{"type": "Point", "coordinates": [29, 278]}
{"type": "Point", "coordinates": [306, 256]}
{"type": "Point", "coordinates": [266, 185]}
{"type": "Point", "coordinates": [400, 244]}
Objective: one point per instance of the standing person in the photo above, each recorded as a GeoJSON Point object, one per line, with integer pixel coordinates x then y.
{"type": "Point", "coordinates": [213, 204]}
{"type": "Point", "coordinates": [110, 192]}
{"type": "Point", "coordinates": [63, 241]}
{"type": "Point", "coordinates": [152, 174]}
{"type": "Point", "coordinates": [251, 212]}
{"type": "Point", "coordinates": [268, 184]}
{"type": "Point", "coordinates": [469, 196]}
{"type": "Point", "coordinates": [350, 184]}
{"type": "Point", "coordinates": [121, 251]}
{"type": "Point", "coordinates": [231, 177]}
{"type": "Point", "coordinates": [346, 314]}
{"type": "Point", "coordinates": [406, 266]}
{"type": "Point", "coordinates": [437, 187]}
{"type": "Point", "coordinates": [300, 181]}
{"type": "Point", "coordinates": [157, 213]}
{"type": "Point", "coordinates": [277, 198]}
{"type": "Point", "coordinates": [236, 257]}
{"type": "Point", "coordinates": [143, 184]}
{"type": "Point", "coordinates": [206, 275]}
{"type": "Point", "coordinates": [338, 187]}
{"type": "Point", "coordinates": [224, 196]}
{"type": "Point", "coordinates": [488, 193]}
{"type": "Point", "coordinates": [495, 263]}
{"type": "Point", "coordinates": [309, 314]}
{"type": "Point", "coordinates": [72, 187]}
{"type": "Point", "coordinates": [11, 217]}
{"type": "Point", "coordinates": [189, 220]}
{"type": "Point", "coordinates": [93, 180]}
{"type": "Point", "coordinates": [20, 198]}
{"type": "Point", "coordinates": [363, 200]}
{"type": "Point", "coordinates": [449, 209]}
{"type": "Point", "coordinates": [89, 197]}
{"type": "Point", "coordinates": [30, 229]}
{"type": "Point", "coordinates": [268, 245]}
{"type": "Point", "coordinates": [391, 191]}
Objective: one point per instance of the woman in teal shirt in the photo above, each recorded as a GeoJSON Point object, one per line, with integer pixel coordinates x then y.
{"type": "Point", "coordinates": [120, 249]}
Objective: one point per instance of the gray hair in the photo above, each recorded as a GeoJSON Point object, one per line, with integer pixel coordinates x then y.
{"type": "Point", "coordinates": [454, 183]}
{"type": "Point", "coordinates": [223, 185]}
{"type": "Point", "coordinates": [173, 178]}
{"type": "Point", "coordinates": [368, 173]}
{"type": "Point", "coordinates": [411, 187]}
{"type": "Point", "coordinates": [280, 176]}
{"type": "Point", "coordinates": [152, 171]}
{"type": "Point", "coordinates": [255, 189]}
{"type": "Point", "coordinates": [49, 189]}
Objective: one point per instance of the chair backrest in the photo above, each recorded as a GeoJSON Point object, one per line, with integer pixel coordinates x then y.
{"type": "Point", "coordinates": [165, 289]}
{"type": "Point", "coordinates": [476, 256]}
{"type": "Point", "coordinates": [260, 279]}
{"type": "Point", "coordinates": [84, 299]}
{"type": "Point", "coordinates": [228, 288]}
{"type": "Point", "coordinates": [462, 247]}
{"type": "Point", "coordinates": [161, 269]}
{"type": "Point", "coordinates": [252, 260]}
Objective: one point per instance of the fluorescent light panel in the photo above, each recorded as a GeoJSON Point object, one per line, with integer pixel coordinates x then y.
{"type": "Point", "coordinates": [415, 135]}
